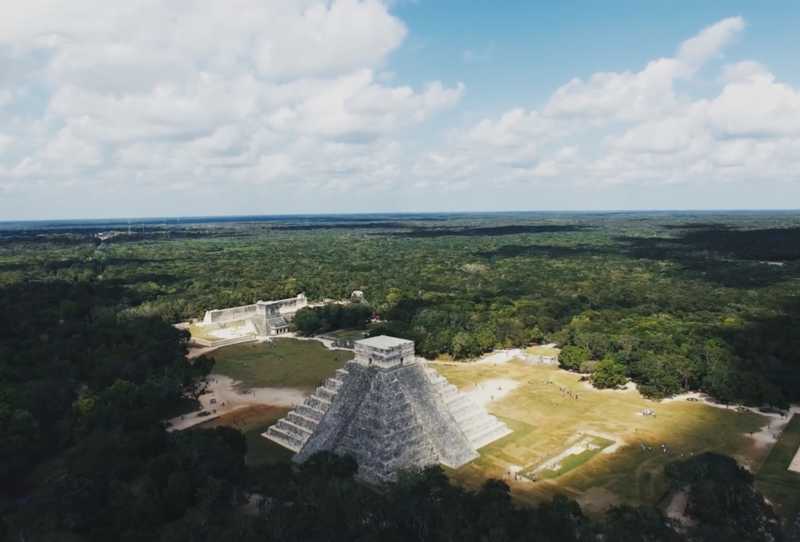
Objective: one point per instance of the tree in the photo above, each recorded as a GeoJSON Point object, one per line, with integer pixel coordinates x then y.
{"type": "Point", "coordinates": [723, 499]}
{"type": "Point", "coordinates": [609, 374]}
{"type": "Point", "coordinates": [640, 524]}
{"type": "Point", "coordinates": [571, 357]}
{"type": "Point", "coordinates": [465, 345]}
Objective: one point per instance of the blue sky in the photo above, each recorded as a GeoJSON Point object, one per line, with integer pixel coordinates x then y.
{"type": "Point", "coordinates": [151, 109]}
{"type": "Point", "coordinates": [528, 49]}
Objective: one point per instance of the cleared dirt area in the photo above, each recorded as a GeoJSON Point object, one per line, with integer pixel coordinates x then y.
{"type": "Point", "coordinates": [490, 390]}
{"type": "Point", "coordinates": [279, 373]}
{"type": "Point", "coordinates": [225, 395]}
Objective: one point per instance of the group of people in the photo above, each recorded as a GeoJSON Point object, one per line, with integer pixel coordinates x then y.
{"type": "Point", "coordinates": [568, 392]}
{"type": "Point", "coordinates": [564, 390]}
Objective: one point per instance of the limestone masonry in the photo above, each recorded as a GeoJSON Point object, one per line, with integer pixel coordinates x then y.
{"type": "Point", "coordinates": [248, 322]}
{"type": "Point", "coordinates": [390, 412]}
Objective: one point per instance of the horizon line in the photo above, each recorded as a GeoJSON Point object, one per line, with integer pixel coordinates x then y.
{"type": "Point", "coordinates": [400, 213]}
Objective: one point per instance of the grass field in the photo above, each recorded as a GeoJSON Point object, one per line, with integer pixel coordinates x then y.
{"type": "Point", "coordinates": [252, 421]}
{"type": "Point", "coordinates": [347, 334]}
{"type": "Point", "coordinates": [545, 422]}
{"type": "Point", "coordinates": [542, 351]}
{"type": "Point", "coordinates": [288, 363]}
{"type": "Point", "coordinates": [780, 485]}
{"type": "Point", "coordinates": [594, 445]}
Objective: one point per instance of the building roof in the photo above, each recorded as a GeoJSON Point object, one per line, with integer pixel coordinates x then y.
{"type": "Point", "coordinates": [384, 342]}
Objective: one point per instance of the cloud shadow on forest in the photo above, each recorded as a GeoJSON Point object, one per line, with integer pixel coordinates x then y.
{"type": "Point", "coordinates": [493, 231]}
{"type": "Point", "coordinates": [732, 258]}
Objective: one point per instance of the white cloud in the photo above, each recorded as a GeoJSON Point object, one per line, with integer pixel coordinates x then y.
{"type": "Point", "coordinates": [701, 48]}
{"type": "Point", "coordinates": [628, 95]}
{"type": "Point", "coordinates": [224, 93]}
{"type": "Point", "coordinates": [637, 127]}
{"type": "Point", "coordinates": [296, 101]}
{"type": "Point", "coordinates": [756, 106]}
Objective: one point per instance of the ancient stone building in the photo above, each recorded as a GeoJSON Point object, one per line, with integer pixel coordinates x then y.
{"type": "Point", "coordinates": [390, 412]}
{"type": "Point", "coordinates": [269, 317]}
{"type": "Point", "coordinates": [249, 322]}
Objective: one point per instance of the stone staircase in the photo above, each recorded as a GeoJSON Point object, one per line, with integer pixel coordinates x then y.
{"type": "Point", "coordinates": [479, 426]}
{"type": "Point", "coordinates": [388, 420]}
{"type": "Point", "coordinates": [293, 431]}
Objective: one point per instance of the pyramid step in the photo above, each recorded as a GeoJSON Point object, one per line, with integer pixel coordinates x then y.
{"type": "Point", "coordinates": [310, 412]}
{"type": "Point", "coordinates": [458, 400]}
{"type": "Point", "coordinates": [464, 409]}
{"type": "Point", "coordinates": [284, 439]}
{"type": "Point", "coordinates": [478, 426]}
{"type": "Point", "coordinates": [448, 390]}
{"type": "Point", "coordinates": [325, 393]}
{"type": "Point", "coordinates": [491, 434]}
{"type": "Point", "coordinates": [293, 429]}
{"type": "Point", "coordinates": [315, 401]}
{"type": "Point", "coordinates": [334, 383]}
{"type": "Point", "coordinates": [474, 417]}
{"type": "Point", "coordinates": [303, 421]}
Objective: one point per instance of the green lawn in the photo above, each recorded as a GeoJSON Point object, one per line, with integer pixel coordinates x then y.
{"type": "Point", "coordinates": [348, 334]}
{"type": "Point", "coordinates": [574, 461]}
{"type": "Point", "coordinates": [780, 485]}
{"type": "Point", "coordinates": [544, 420]}
{"type": "Point", "coordinates": [289, 363]}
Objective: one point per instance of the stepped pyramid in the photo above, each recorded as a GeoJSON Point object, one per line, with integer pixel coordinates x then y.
{"type": "Point", "coordinates": [389, 412]}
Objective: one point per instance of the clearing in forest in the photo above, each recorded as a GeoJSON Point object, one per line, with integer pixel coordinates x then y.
{"type": "Point", "coordinates": [551, 410]}
{"type": "Point", "coordinates": [290, 363]}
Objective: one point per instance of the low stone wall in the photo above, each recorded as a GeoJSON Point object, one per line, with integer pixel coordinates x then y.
{"type": "Point", "coordinates": [222, 342]}
{"type": "Point", "coordinates": [216, 316]}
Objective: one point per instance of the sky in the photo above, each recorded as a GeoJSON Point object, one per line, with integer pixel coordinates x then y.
{"type": "Point", "coordinates": [159, 108]}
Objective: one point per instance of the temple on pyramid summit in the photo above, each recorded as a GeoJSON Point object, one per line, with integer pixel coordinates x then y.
{"type": "Point", "coordinates": [390, 412]}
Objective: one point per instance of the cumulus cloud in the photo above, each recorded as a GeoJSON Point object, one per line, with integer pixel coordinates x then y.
{"type": "Point", "coordinates": [293, 101]}
{"type": "Point", "coordinates": [638, 127]}
{"type": "Point", "coordinates": [252, 91]}
{"type": "Point", "coordinates": [629, 95]}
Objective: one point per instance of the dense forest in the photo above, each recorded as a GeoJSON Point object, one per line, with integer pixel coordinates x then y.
{"type": "Point", "coordinates": [90, 363]}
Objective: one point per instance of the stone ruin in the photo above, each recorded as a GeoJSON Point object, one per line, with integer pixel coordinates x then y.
{"type": "Point", "coordinates": [390, 412]}
{"type": "Point", "coordinates": [259, 320]}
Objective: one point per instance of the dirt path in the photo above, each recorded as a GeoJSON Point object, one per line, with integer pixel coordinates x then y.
{"type": "Point", "coordinates": [223, 397]}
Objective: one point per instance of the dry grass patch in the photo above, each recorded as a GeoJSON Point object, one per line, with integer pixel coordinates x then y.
{"type": "Point", "coordinates": [545, 419]}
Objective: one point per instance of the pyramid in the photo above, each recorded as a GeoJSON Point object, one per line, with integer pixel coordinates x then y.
{"type": "Point", "coordinates": [390, 412]}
